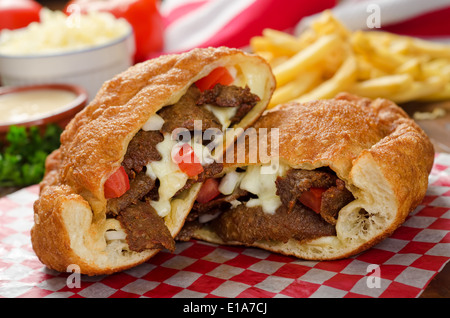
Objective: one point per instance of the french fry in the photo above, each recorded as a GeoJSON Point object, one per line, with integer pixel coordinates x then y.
{"type": "Point", "coordinates": [411, 67]}
{"type": "Point", "coordinates": [382, 86]}
{"type": "Point", "coordinates": [289, 70]}
{"type": "Point", "coordinates": [327, 24]}
{"type": "Point", "coordinates": [259, 44]}
{"type": "Point", "coordinates": [437, 67]}
{"type": "Point", "coordinates": [307, 38]}
{"type": "Point", "coordinates": [432, 49]}
{"type": "Point", "coordinates": [268, 56]}
{"type": "Point", "coordinates": [333, 61]}
{"type": "Point", "coordinates": [328, 58]}
{"type": "Point", "coordinates": [292, 90]}
{"type": "Point", "coordinates": [263, 44]}
{"type": "Point", "coordinates": [419, 90]}
{"type": "Point", "coordinates": [283, 40]}
{"type": "Point", "coordinates": [376, 54]}
{"type": "Point", "coordinates": [341, 80]}
{"type": "Point", "coordinates": [366, 70]}
{"type": "Point", "coordinates": [442, 94]}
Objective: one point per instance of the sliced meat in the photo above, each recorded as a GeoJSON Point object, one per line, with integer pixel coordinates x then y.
{"type": "Point", "coordinates": [183, 114]}
{"type": "Point", "coordinates": [291, 186]}
{"type": "Point", "coordinates": [230, 96]}
{"type": "Point", "coordinates": [241, 112]}
{"type": "Point", "coordinates": [210, 170]}
{"type": "Point", "coordinates": [247, 225]}
{"type": "Point", "coordinates": [188, 231]}
{"type": "Point", "coordinates": [333, 200]}
{"type": "Point", "coordinates": [140, 186]}
{"type": "Point", "coordinates": [145, 228]}
{"type": "Point", "coordinates": [219, 204]}
{"type": "Point", "coordinates": [153, 194]}
{"type": "Point", "coordinates": [296, 181]}
{"type": "Point", "coordinates": [292, 220]}
{"type": "Point", "coordinates": [142, 150]}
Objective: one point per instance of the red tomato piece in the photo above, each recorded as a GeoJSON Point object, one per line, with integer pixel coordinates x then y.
{"type": "Point", "coordinates": [16, 14]}
{"type": "Point", "coordinates": [208, 191]}
{"type": "Point", "coordinates": [143, 15]}
{"type": "Point", "coordinates": [312, 198]}
{"type": "Point", "coordinates": [187, 161]}
{"type": "Point", "coordinates": [219, 75]}
{"type": "Point", "coordinates": [117, 184]}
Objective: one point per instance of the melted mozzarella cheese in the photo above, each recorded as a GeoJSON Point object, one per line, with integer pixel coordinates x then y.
{"type": "Point", "coordinates": [223, 114]}
{"type": "Point", "coordinates": [171, 178]}
{"type": "Point", "coordinates": [253, 78]}
{"type": "Point", "coordinates": [263, 186]}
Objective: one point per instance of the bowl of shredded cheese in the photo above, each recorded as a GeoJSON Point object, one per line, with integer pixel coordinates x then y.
{"type": "Point", "coordinates": [81, 49]}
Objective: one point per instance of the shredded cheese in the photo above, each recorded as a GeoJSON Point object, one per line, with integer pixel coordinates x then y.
{"type": "Point", "coordinates": [56, 33]}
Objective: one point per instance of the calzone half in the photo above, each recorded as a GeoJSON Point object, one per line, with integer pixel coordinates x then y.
{"type": "Point", "coordinates": [121, 184]}
{"type": "Point", "coordinates": [337, 176]}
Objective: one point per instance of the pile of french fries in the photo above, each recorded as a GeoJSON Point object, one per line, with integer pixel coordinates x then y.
{"type": "Point", "coordinates": [327, 59]}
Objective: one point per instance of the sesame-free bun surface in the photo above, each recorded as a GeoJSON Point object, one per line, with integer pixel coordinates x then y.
{"type": "Point", "coordinates": [70, 213]}
{"type": "Point", "coordinates": [383, 156]}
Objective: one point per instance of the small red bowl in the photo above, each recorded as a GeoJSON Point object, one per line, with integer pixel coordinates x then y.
{"type": "Point", "coordinates": [61, 117]}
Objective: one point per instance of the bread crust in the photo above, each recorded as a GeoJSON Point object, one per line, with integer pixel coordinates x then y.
{"type": "Point", "coordinates": [94, 144]}
{"type": "Point", "coordinates": [383, 156]}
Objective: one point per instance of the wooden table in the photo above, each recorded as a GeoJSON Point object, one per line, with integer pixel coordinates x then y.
{"type": "Point", "coordinates": [437, 129]}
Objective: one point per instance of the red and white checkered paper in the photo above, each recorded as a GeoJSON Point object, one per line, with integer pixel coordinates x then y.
{"type": "Point", "coordinates": [404, 263]}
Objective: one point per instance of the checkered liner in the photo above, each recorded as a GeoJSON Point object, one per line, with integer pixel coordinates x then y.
{"type": "Point", "coordinates": [400, 266]}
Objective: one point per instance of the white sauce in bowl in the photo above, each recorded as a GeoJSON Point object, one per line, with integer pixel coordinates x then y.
{"type": "Point", "coordinates": [32, 104]}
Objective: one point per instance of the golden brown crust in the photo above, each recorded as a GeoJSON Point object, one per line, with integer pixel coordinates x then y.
{"type": "Point", "coordinates": [124, 104]}
{"type": "Point", "coordinates": [70, 212]}
{"type": "Point", "coordinates": [383, 156]}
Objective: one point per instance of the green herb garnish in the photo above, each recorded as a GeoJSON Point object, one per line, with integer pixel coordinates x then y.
{"type": "Point", "coordinates": [22, 159]}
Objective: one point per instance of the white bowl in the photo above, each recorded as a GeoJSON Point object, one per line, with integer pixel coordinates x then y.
{"type": "Point", "coordinates": [88, 68]}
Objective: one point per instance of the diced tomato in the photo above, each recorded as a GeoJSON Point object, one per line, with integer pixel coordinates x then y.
{"type": "Point", "coordinates": [312, 198]}
{"type": "Point", "coordinates": [219, 75]}
{"type": "Point", "coordinates": [208, 191]}
{"type": "Point", "coordinates": [187, 161]}
{"type": "Point", "coordinates": [117, 184]}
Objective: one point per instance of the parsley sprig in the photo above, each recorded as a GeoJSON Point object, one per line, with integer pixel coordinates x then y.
{"type": "Point", "coordinates": [22, 156]}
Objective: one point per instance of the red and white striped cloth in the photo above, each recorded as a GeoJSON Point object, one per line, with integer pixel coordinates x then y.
{"type": "Point", "coordinates": [202, 23]}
